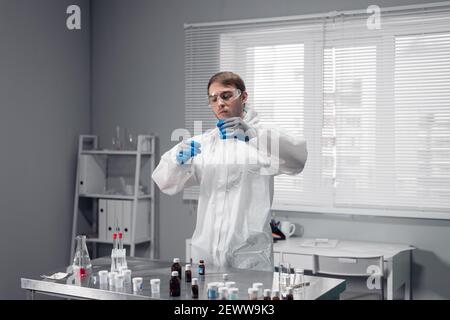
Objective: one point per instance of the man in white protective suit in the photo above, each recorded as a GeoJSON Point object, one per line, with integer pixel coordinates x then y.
{"type": "Point", "coordinates": [234, 164]}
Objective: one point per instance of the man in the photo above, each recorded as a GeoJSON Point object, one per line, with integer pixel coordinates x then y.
{"type": "Point", "coordinates": [234, 164]}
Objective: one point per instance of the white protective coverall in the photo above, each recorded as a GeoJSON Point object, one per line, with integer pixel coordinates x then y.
{"type": "Point", "coordinates": [235, 197]}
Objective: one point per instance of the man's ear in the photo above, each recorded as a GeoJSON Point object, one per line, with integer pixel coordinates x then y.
{"type": "Point", "coordinates": [244, 96]}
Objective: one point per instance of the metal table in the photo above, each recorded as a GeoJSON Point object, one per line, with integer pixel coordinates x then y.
{"type": "Point", "coordinates": [319, 288]}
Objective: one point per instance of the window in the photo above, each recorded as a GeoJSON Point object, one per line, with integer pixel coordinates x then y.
{"type": "Point", "coordinates": [373, 105]}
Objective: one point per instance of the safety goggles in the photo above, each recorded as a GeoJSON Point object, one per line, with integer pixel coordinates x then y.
{"type": "Point", "coordinates": [224, 96]}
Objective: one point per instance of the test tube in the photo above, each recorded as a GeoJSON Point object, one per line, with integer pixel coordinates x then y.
{"type": "Point", "coordinates": [155, 285]}
{"type": "Point", "coordinates": [103, 277]}
{"type": "Point", "coordinates": [137, 284]}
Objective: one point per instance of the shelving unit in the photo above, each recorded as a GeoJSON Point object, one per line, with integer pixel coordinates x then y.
{"type": "Point", "coordinates": [118, 186]}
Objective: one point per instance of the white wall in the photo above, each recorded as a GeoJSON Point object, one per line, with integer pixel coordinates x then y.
{"type": "Point", "coordinates": [44, 106]}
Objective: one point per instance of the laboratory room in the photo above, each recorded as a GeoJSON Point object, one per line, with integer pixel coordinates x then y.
{"type": "Point", "coordinates": [194, 151]}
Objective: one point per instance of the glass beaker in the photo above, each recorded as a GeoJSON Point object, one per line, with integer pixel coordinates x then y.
{"type": "Point", "coordinates": [117, 143]}
{"type": "Point", "coordinates": [82, 266]}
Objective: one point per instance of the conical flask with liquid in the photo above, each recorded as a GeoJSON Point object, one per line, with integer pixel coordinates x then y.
{"type": "Point", "coordinates": [82, 266]}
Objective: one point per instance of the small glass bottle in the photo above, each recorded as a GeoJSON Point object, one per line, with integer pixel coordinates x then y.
{"type": "Point", "coordinates": [252, 294]}
{"type": "Point", "coordinates": [276, 294]}
{"type": "Point", "coordinates": [201, 268]}
{"type": "Point", "coordinates": [194, 288]}
{"type": "Point", "coordinates": [212, 290]}
{"type": "Point", "coordinates": [259, 286]}
{"type": "Point", "coordinates": [267, 293]}
{"type": "Point", "coordinates": [175, 285]}
{"type": "Point", "coordinates": [225, 277]}
{"type": "Point", "coordinates": [289, 294]}
{"type": "Point", "coordinates": [233, 293]}
{"type": "Point", "coordinates": [223, 293]}
{"type": "Point", "coordinates": [176, 266]}
{"type": "Point", "coordinates": [188, 273]}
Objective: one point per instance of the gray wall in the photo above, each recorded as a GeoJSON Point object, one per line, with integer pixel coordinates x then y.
{"type": "Point", "coordinates": [138, 82]}
{"type": "Point", "coordinates": [44, 105]}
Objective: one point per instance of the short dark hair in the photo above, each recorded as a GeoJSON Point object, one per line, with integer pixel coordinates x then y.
{"type": "Point", "coordinates": [227, 78]}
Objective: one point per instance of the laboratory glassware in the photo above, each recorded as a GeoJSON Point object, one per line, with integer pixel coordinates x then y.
{"type": "Point", "coordinates": [175, 289]}
{"type": "Point", "coordinates": [82, 266]}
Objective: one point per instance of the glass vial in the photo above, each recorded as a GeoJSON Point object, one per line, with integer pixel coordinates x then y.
{"type": "Point", "coordinates": [201, 268]}
{"type": "Point", "coordinates": [267, 293]}
{"type": "Point", "coordinates": [188, 273]}
{"type": "Point", "coordinates": [194, 288]}
{"type": "Point", "coordinates": [289, 294]}
{"type": "Point", "coordinates": [223, 293]}
{"type": "Point", "coordinates": [276, 294]}
{"type": "Point", "coordinates": [175, 285]}
{"type": "Point", "coordinates": [252, 294]}
{"type": "Point", "coordinates": [233, 293]}
{"type": "Point", "coordinates": [259, 286]}
{"type": "Point", "coordinates": [212, 290]}
{"type": "Point", "coordinates": [176, 266]}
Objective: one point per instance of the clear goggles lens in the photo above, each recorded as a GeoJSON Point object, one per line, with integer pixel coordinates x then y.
{"type": "Point", "coordinates": [225, 96]}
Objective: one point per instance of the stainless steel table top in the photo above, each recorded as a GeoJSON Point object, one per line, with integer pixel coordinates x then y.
{"type": "Point", "coordinates": [319, 288]}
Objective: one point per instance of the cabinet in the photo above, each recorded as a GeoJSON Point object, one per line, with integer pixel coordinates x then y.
{"type": "Point", "coordinates": [114, 191]}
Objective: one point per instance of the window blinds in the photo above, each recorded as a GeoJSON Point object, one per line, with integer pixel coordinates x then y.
{"type": "Point", "coordinates": [373, 105]}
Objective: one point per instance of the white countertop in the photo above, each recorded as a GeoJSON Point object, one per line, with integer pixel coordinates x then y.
{"type": "Point", "coordinates": [342, 248]}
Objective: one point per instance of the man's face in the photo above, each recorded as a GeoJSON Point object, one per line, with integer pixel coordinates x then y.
{"type": "Point", "coordinates": [226, 101]}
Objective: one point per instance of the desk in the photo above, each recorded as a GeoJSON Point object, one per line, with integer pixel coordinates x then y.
{"type": "Point", "coordinates": [319, 288]}
{"type": "Point", "coordinates": [397, 258]}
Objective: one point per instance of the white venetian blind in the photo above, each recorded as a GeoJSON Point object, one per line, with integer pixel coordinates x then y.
{"type": "Point", "coordinates": [373, 104]}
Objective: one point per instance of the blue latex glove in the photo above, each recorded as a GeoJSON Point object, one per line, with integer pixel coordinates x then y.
{"type": "Point", "coordinates": [235, 128]}
{"type": "Point", "coordinates": [187, 149]}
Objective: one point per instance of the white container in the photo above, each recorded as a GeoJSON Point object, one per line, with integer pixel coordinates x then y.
{"type": "Point", "coordinates": [233, 293]}
{"type": "Point", "coordinates": [252, 293]}
{"type": "Point", "coordinates": [155, 285]}
{"type": "Point", "coordinates": [126, 277]}
{"type": "Point", "coordinates": [230, 284]}
{"type": "Point", "coordinates": [122, 269]}
{"type": "Point", "coordinates": [119, 281]}
{"type": "Point", "coordinates": [112, 278]}
{"type": "Point", "coordinates": [137, 284]}
{"type": "Point", "coordinates": [222, 293]}
{"type": "Point", "coordinates": [259, 286]}
{"type": "Point", "coordinates": [103, 277]}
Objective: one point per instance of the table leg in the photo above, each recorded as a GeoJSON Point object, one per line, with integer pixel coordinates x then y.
{"type": "Point", "coordinates": [30, 294]}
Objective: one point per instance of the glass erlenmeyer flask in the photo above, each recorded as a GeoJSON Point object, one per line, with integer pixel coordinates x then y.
{"type": "Point", "coordinates": [82, 266]}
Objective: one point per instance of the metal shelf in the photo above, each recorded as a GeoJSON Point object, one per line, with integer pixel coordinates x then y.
{"type": "Point", "coordinates": [95, 240]}
{"type": "Point", "coordinates": [95, 181]}
{"type": "Point", "coordinates": [115, 196]}
{"type": "Point", "coordinates": [116, 152]}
